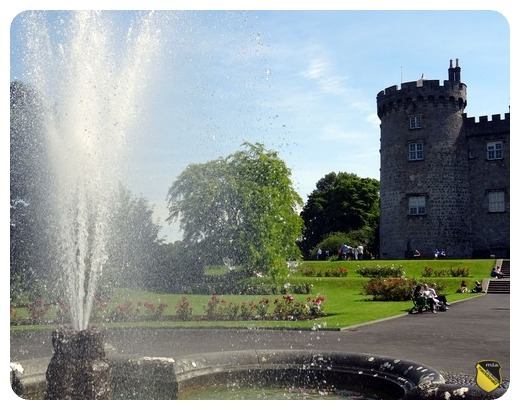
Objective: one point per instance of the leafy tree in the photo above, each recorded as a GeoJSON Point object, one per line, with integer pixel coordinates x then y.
{"type": "Point", "coordinates": [242, 207]}
{"type": "Point", "coordinates": [341, 202]}
{"type": "Point", "coordinates": [178, 266]}
{"type": "Point", "coordinates": [133, 242]}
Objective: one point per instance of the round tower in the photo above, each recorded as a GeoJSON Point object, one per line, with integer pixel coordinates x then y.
{"type": "Point", "coordinates": [425, 199]}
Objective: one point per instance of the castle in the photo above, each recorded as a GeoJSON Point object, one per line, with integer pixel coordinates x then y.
{"type": "Point", "coordinates": [444, 177]}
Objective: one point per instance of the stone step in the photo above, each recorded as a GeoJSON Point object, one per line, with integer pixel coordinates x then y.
{"type": "Point", "coordinates": [499, 286]}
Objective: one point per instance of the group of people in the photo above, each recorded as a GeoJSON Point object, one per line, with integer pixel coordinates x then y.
{"type": "Point", "coordinates": [464, 287]}
{"type": "Point", "coordinates": [438, 254]}
{"type": "Point", "coordinates": [347, 252]}
{"type": "Point", "coordinates": [435, 302]}
{"type": "Point", "coordinates": [438, 302]}
{"type": "Point", "coordinates": [496, 273]}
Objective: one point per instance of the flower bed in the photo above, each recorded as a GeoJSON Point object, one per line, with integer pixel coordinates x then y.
{"type": "Point", "coordinates": [282, 308]}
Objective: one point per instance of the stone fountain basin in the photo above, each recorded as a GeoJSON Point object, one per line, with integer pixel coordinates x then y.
{"type": "Point", "coordinates": [392, 377]}
{"type": "Point", "coordinates": [165, 378]}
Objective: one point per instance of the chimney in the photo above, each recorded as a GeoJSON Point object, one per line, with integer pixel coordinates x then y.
{"type": "Point", "coordinates": [451, 75]}
{"type": "Point", "coordinates": [456, 71]}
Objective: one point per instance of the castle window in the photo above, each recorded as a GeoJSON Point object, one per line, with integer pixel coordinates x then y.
{"type": "Point", "coordinates": [415, 151]}
{"type": "Point", "coordinates": [494, 150]}
{"type": "Point", "coordinates": [417, 205]}
{"type": "Point", "coordinates": [496, 200]}
{"type": "Point", "coordinates": [415, 122]}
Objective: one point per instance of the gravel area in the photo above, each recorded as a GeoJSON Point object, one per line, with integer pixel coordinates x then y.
{"type": "Point", "coordinates": [466, 379]}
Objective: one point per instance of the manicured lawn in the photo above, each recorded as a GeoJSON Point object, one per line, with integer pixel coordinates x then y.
{"type": "Point", "coordinates": [344, 305]}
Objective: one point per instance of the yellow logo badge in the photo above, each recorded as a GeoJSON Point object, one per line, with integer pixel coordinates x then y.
{"type": "Point", "coordinates": [488, 375]}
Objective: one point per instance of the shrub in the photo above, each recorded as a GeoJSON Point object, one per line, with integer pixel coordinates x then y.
{"type": "Point", "coordinates": [37, 311]}
{"type": "Point", "coordinates": [430, 272]}
{"type": "Point", "coordinates": [314, 306]}
{"type": "Point", "coordinates": [183, 309]}
{"type": "Point", "coordinates": [289, 309]}
{"type": "Point", "coordinates": [213, 308]}
{"type": "Point", "coordinates": [389, 289]}
{"type": "Point", "coordinates": [154, 311]}
{"type": "Point", "coordinates": [221, 309]}
{"type": "Point", "coordinates": [330, 272]}
{"type": "Point", "coordinates": [247, 310]}
{"type": "Point", "coordinates": [381, 271]}
{"type": "Point", "coordinates": [125, 311]}
{"type": "Point", "coordinates": [232, 310]}
{"type": "Point", "coordinates": [285, 308]}
{"type": "Point", "coordinates": [16, 319]}
{"type": "Point", "coordinates": [262, 308]}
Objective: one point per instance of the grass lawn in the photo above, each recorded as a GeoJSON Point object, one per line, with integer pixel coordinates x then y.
{"type": "Point", "coordinates": [344, 305]}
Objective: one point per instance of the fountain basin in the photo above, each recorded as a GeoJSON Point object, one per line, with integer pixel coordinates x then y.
{"type": "Point", "coordinates": [367, 375]}
{"type": "Point", "coordinates": [168, 378]}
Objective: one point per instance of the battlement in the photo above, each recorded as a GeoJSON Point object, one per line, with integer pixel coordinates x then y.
{"type": "Point", "coordinates": [420, 93]}
{"type": "Point", "coordinates": [496, 125]}
{"type": "Point", "coordinates": [422, 86]}
{"type": "Point", "coordinates": [485, 119]}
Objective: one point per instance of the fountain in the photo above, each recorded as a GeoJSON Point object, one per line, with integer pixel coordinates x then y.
{"type": "Point", "coordinates": [78, 368]}
{"type": "Point", "coordinates": [92, 92]}
{"type": "Point", "coordinates": [91, 89]}
{"type": "Point", "coordinates": [267, 374]}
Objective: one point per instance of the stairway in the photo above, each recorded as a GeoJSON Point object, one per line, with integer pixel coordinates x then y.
{"type": "Point", "coordinates": [501, 285]}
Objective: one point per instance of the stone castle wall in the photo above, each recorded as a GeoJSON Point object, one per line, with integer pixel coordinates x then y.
{"type": "Point", "coordinates": [452, 182]}
{"type": "Point", "coordinates": [491, 231]}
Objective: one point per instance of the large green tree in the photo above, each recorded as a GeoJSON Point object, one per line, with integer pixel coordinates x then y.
{"type": "Point", "coordinates": [133, 244]}
{"type": "Point", "coordinates": [341, 202]}
{"type": "Point", "coordinates": [240, 208]}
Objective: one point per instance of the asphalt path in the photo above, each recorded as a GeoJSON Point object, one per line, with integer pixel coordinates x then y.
{"type": "Point", "coordinates": [453, 341]}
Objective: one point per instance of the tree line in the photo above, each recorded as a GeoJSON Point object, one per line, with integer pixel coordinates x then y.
{"type": "Point", "coordinates": [241, 210]}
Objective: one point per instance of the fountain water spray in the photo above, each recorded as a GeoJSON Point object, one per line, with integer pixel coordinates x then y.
{"type": "Point", "coordinates": [92, 78]}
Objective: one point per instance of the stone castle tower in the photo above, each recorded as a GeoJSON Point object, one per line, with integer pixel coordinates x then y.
{"type": "Point", "coordinates": [444, 177]}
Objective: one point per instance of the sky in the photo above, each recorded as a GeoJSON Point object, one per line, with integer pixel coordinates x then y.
{"type": "Point", "coordinates": [301, 82]}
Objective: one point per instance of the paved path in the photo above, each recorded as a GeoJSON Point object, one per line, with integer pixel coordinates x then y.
{"type": "Point", "coordinates": [453, 341]}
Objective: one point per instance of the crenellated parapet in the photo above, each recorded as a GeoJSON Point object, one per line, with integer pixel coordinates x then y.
{"type": "Point", "coordinates": [497, 124]}
{"type": "Point", "coordinates": [421, 93]}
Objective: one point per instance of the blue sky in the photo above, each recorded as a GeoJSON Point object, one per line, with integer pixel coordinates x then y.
{"type": "Point", "coordinates": [303, 83]}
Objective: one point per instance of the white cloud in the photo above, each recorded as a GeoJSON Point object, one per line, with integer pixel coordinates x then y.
{"type": "Point", "coordinates": [318, 69]}
{"type": "Point", "coordinates": [322, 72]}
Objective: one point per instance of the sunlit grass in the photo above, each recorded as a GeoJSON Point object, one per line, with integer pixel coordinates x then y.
{"type": "Point", "coordinates": [345, 303]}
